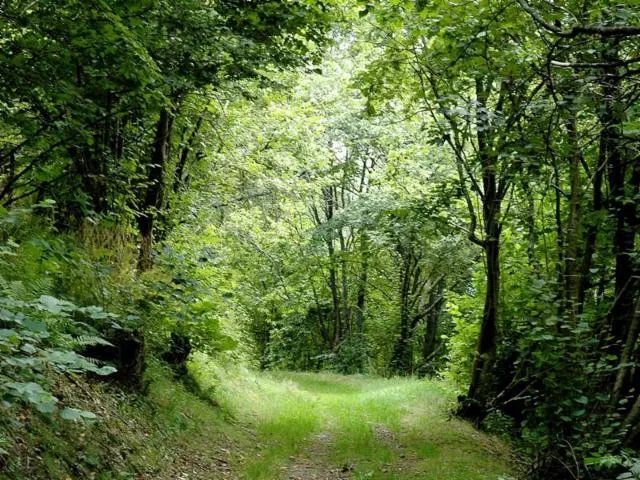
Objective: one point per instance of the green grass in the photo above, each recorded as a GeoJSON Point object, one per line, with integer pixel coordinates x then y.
{"type": "Point", "coordinates": [268, 424]}
{"type": "Point", "coordinates": [377, 428]}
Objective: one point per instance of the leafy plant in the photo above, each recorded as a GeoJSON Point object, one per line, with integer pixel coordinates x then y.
{"type": "Point", "coordinates": [36, 341]}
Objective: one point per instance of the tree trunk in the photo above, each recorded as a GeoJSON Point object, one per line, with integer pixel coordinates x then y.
{"type": "Point", "coordinates": [572, 253]}
{"type": "Point", "coordinates": [329, 209]}
{"type": "Point", "coordinates": [346, 314]}
{"type": "Point", "coordinates": [532, 236]}
{"type": "Point", "coordinates": [153, 199]}
{"type": "Point", "coordinates": [485, 356]}
{"type": "Point", "coordinates": [622, 206]}
{"type": "Point", "coordinates": [491, 205]}
{"type": "Point", "coordinates": [362, 284]}
{"type": "Point", "coordinates": [178, 181]}
{"type": "Point", "coordinates": [401, 360]}
{"type": "Point", "coordinates": [432, 320]}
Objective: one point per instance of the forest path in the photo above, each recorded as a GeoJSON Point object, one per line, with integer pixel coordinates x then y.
{"type": "Point", "coordinates": [331, 427]}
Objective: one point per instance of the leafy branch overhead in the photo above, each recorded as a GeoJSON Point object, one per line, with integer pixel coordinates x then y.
{"type": "Point", "coordinates": [445, 189]}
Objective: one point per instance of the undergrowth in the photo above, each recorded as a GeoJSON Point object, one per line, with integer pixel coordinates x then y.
{"type": "Point", "coordinates": [161, 435]}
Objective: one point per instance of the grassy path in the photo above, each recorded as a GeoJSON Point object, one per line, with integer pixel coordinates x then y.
{"type": "Point", "coordinates": [331, 427]}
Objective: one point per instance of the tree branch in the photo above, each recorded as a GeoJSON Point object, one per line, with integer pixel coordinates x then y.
{"type": "Point", "coordinates": [600, 30]}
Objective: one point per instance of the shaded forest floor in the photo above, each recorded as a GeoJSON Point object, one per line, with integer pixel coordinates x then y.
{"type": "Point", "coordinates": [273, 426]}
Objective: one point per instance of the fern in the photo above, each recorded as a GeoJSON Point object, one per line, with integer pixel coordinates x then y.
{"type": "Point", "coordinates": [19, 290]}
{"type": "Point", "coordinates": [41, 286]}
{"type": "Point", "coordinates": [81, 341]}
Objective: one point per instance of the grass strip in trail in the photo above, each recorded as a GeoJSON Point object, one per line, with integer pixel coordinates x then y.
{"type": "Point", "coordinates": [327, 426]}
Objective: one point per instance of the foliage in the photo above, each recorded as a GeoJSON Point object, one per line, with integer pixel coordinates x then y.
{"type": "Point", "coordinates": [180, 300]}
{"type": "Point", "coordinates": [441, 189]}
{"type": "Point", "coordinates": [39, 337]}
{"type": "Point", "coordinates": [158, 434]}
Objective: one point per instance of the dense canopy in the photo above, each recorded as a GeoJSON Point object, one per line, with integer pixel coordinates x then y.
{"type": "Point", "coordinates": [436, 189]}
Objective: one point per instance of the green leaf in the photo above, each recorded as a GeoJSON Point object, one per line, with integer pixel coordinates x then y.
{"type": "Point", "coordinates": [77, 415]}
{"type": "Point", "coordinates": [34, 325]}
{"type": "Point", "coordinates": [106, 370]}
{"type": "Point", "coordinates": [52, 305]}
{"type": "Point", "coordinates": [28, 348]}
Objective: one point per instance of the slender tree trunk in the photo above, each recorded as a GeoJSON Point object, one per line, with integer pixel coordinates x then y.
{"type": "Point", "coordinates": [362, 283]}
{"type": "Point", "coordinates": [491, 206]}
{"type": "Point", "coordinates": [153, 199]}
{"type": "Point", "coordinates": [432, 321]}
{"type": "Point", "coordinates": [623, 177]}
{"type": "Point", "coordinates": [329, 208]}
{"type": "Point", "coordinates": [401, 361]}
{"type": "Point", "coordinates": [485, 356]}
{"type": "Point", "coordinates": [572, 253]}
{"type": "Point", "coordinates": [335, 300]}
{"type": "Point", "coordinates": [178, 181]}
{"type": "Point", "coordinates": [346, 314]}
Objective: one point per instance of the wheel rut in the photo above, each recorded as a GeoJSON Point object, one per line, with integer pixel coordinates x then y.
{"type": "Point", "coordinates": [314, 462]}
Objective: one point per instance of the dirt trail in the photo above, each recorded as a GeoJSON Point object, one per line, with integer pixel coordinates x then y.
{"type": "Point", "coordinates": [314, 462]}
{"type": "Point", "coordinates": [332, 427]}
